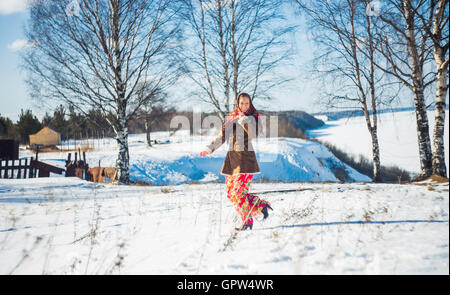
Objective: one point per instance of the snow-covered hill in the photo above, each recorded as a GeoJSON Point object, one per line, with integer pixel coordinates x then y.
{"type": "Point", "coordinates": [397, 138]}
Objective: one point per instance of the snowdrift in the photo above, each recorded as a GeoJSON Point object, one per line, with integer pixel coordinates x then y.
{"type": "Point", "coordinates": [279, 160]}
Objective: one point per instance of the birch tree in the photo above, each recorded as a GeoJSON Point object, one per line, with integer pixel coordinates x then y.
{"type": "Point", "coordinates": [337, 28]}
{"type": "Point", "coordinates": [235, 45]}
{"type": "Point", "coordinates": [407, 54]}
{"type": "Point", "coordinates": [435, 21]}
{"type": "Point", "coordinates": [104, 54]}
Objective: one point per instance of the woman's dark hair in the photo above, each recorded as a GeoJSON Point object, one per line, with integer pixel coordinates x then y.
{"type": "Point", "coordinates": [251, 110]}
{"type": "Point", "coordinates": [243, 94]}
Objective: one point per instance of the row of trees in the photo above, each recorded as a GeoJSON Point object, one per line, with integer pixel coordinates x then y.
{"type": "Point", "coordinates": [70, 124]}
{"type": "Point", "coordinates": [369, 51]}
{"type": "Point", "coordinates": [76, 125]}
{"type": "Point", "coordinates": [26, 125]}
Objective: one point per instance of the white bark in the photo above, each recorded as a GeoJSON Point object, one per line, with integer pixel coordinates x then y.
{"type": "Point", "coordinates": [441, 17]}
{"type": "Point", "coordinates": [438, 161]}
{"type": "Point", "coordinates": [123, 158]}
{"type": "Point", "coordinates": [423, 133]}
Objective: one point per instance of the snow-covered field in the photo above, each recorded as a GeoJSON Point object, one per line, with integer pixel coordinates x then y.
{"type": "Point", "coordinates": [184, 224]}
{"type": "Point", "coordinates": [397, 137]}
{"type": "Point", "coordinates": [69, 226]}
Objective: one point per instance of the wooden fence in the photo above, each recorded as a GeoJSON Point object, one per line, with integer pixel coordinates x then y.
{"type": "Point", "coordinates": [26, 168]}
{"type": "Point", "coordinates": [17, 169]}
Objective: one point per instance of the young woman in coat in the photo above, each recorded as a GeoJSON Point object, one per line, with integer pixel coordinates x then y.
{"type": "Point", "coordinates": [240, 127]}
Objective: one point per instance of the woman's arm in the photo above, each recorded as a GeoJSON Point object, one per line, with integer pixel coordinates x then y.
{"type": "Point", "coordinates": [215, 144]}
{"type": "Point", "coordinates": [220, 139]}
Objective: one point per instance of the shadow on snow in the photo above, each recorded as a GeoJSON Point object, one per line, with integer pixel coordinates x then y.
{"type": "Point", "coordinates": [353, 222]}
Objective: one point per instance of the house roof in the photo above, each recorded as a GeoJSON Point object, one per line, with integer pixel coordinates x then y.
{"type": "Point", "coordinates": [46, 127]}
{"type": "Point", "coordinates": [51, 129]}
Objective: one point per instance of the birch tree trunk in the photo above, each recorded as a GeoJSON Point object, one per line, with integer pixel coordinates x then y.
{"type": "Point", "coordinates": [123, 159]}
{"type": "Point", "coordinates": [234, 50]}
{"type": "Point", "coordinates": [438, 161]}
{"type": "Point", "coordinates": [376, 155]}
{"type": "Point", "coordinates": [148, 129]}
{"type": "Point", "coordinates": [423, 133]}
{"type": "Point", "coordinates": [441, 18]}
{"type": "Point", "coordinates": [223, 52]}
{"type": "Point", "coordinates": [372, 127]}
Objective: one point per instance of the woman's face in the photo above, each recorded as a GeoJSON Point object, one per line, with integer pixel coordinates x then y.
{"type": "Point", "coordinates": [244, 103]}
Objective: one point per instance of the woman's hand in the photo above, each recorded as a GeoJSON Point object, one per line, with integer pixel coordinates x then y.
{"type": "Point", "coordinates": [204, 153]}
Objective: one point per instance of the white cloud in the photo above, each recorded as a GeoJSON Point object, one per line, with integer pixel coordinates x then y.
{"type": "Point", "coordinates": [20, 44]}
{"type": "Point", "coordinates": [12, 6]}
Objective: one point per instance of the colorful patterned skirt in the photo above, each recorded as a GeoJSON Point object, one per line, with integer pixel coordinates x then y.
{"type": "Point", "coordinates": [247, 205]}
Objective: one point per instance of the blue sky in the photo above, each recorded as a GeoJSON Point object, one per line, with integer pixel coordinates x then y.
{"type": "Point", "coordinates": [297, 95]}
{"type": "Point", "coordinates": [13, 94]}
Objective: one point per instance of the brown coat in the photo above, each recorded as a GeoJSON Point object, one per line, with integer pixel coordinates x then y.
{"type": "Point", "coordinates": [241, 157]}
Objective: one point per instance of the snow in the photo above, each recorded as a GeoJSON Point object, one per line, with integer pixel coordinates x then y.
{"type": "Point", "coordinates": [182, 222]}
{"type": "Point", "coordinates": [397, 138]}
{"type": "Point", "coordinates": [70, 226]}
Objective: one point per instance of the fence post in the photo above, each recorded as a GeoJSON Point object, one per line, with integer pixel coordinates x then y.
{"type": "Point", "coordinates": [30, 169]}
{"type": "Point", "coordinates": [19, 173]}
{"type": "Point", "coordinates": [5, 175]}
{"type": "Point", "coordinates": [12, 169]}
{"type": "Point", "coordinates": [84, 165]}
{"type": "Point", "coordinates": [26, 167]}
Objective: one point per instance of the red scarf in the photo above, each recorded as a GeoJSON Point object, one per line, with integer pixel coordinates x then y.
{"type": "Point", "coordinates": [235, 114]}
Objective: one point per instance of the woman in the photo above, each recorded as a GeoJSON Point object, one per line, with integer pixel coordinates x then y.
{"type": "Point", "coordinates": [240, 127]}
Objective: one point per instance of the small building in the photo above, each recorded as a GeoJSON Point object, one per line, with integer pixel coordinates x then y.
{"type": "Point", "coordinates": [45, 137]}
